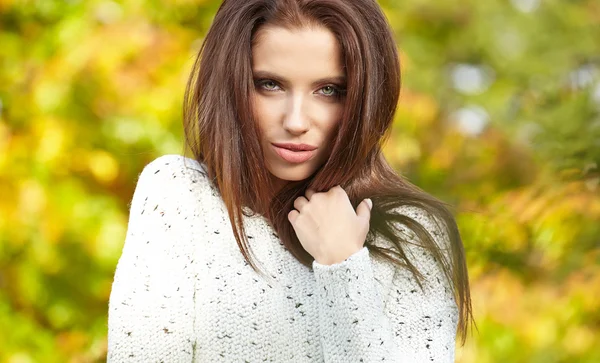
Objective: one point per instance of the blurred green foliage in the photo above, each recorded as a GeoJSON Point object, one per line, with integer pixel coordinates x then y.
{"type": "Point", "coordinates": [499, 115]}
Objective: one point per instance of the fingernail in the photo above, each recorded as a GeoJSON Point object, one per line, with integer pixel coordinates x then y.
{"type": "Point", "coordinates": [370, 203]}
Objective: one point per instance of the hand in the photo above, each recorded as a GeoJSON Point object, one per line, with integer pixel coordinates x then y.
{"type": "Point", "coordinates": [327, 226]}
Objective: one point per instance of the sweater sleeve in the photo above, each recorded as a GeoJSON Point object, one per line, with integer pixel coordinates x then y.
{"type": "Point", "coordinates": [150, 317]}
{"type": "Point", "coordinates": [408, 324]}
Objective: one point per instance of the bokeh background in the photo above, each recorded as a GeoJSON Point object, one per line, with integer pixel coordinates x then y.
{"type": "Point", "coordinates": [499, 116]}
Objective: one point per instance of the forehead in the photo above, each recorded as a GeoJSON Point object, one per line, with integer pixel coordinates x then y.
{"type": "Point", "coordinates": [312, 51]}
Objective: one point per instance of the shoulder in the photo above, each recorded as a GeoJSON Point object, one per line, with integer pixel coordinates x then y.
{"type": "Point", "coordinates": [430, 256]}
{"type": "Point", "coordinates": [173, 165]}
{"type": "Point", "coordinates": [432, 223]}
{"type": "Point", "coordinates": [172, 180]}
{"type": "Point", "coordinates": [173, 170]}
{"type": "Point", "coordinates": [433, 259]}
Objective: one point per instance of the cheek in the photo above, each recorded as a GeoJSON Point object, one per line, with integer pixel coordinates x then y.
{"type": "Point", "coordinates": [328, 125]}
{"type": "Point", "coordinates": [263, 114]}
{"type": "Point", "coordinates": [330, 121]}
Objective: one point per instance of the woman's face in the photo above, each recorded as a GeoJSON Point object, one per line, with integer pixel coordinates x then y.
{"type": "Point", "coordinates": [298, 97]}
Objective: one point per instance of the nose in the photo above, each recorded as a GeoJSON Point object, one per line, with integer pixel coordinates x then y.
{"type": "Point", "coordinates": [295, 120]}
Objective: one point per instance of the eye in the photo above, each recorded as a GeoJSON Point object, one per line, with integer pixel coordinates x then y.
{"type": "Point", "coordinates": [267, 85]}
{"type": "Point", "coordinates": [328, 90]}
{"type": "Point", "coordinates": [332, 91]}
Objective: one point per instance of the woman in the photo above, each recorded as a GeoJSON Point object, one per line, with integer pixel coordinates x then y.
{"type": "Point", "coordinates": [287, 237]}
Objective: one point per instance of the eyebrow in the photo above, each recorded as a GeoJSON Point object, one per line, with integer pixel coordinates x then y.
{"type": "Point", "coordinates": [266, 74]}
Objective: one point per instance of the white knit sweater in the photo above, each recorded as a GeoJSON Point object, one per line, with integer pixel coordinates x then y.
{"type": "Point", "coordinates": [183, 292]}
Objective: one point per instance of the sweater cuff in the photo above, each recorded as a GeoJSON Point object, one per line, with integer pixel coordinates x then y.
{"type": "Point", "coordinates": [352, 277]}
{"type": "Point", "coordinates": [359, 257]}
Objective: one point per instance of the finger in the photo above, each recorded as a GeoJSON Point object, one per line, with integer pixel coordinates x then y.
{"type": "Point", "coordinates": [338, 189]}
{"type": "Point", "coordinates": [364, 209]}
{"type": "Point", "coordinates": [309, 193]}
{"type": "Point", "coordinates": [341, 188]}
{"type": "Point", "coordinates": [299, 203]}
{"type": "Point", "coordinates": [292, 215]}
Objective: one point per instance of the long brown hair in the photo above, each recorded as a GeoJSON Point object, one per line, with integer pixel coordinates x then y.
{"type": "Point", "coordinates": [221, 132]}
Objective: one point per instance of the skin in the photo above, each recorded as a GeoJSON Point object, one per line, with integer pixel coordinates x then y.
{"type": "Point", "coordinates": [299, 98]}
{"type": "Point", "coordinates": [290, 103]}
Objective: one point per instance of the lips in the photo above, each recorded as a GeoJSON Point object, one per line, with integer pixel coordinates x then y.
{"type": "Point", "coordinates": [294, 153]}
{"type": "Point", "coordinates": [295, 147]}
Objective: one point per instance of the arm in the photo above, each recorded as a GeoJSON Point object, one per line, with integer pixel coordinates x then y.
{"type": "Point", "coordinates": [406, 325]}
{"type": "Point", "coordinates": [150, 317]}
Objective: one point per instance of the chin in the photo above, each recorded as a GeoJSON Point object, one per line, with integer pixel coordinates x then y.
{"type": "Point", "coordinates": [293, 172]}
{"type": "Point", "coordinates": [289, 175]}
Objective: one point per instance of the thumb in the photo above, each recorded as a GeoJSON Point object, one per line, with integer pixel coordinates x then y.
{"type": "Point", "coordinates": [364, 209]}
